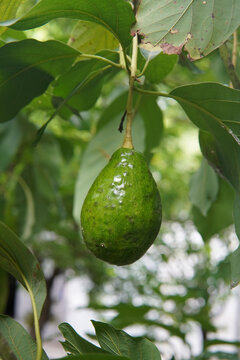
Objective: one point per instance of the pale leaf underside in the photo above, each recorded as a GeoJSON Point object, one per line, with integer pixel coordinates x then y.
{"type": "Point", "coordinates": [199, 25]}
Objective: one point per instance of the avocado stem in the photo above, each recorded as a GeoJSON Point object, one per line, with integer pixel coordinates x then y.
{"type": "Point", "coordinates": [127, 142]}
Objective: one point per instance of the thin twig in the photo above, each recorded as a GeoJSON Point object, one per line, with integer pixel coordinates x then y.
{"type": "Point", "coordinates": [230, 68]}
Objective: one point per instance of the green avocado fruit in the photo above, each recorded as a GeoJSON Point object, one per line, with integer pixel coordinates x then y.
{"type": "Point", "coordinates": [122, 213]}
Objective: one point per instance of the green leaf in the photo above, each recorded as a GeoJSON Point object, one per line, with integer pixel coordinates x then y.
{"type": "Point", "coordinates": [27, 67]}
{"type": "Point", "coordinates": [153, 122]}
{"type": "Point", "coordinates": [223, 153]}
{"type": "Point", "coordinates": [209, 104]}
{"type": "Point", "coordinates": [74, 343]}
{"type": "Point", "coordinates": [15, 342]}
{"type": "Point", "coordinates": [214, 108]}
{"type": "Point", "coordinates": [94, 357]}
{"type": "Point", "coordinates": [100, 149]}
{"type": "Point", "coordinates": [8, 8]}
{"type": "Point", "coordinates": [115, 15]}
{"type": "Point", "coordinates": [235, 268]}
{"type": "Point", "coordinates": [90, 38]}
{"type": "Point", "coordinates": [203, 188]}
{"type": "Point", "coordinates": [3, 290]}
{"type": "Point", "coordinates": [236, 213]}
{"type": "Point", "coordinates": [160, 67]}
{"type": "Point", "coordinates": [16, 259]}
{"type": "Point", "coordinates": [197, 25]}
{"type": "Point", "coordinates": [10, 137]}
{"type": "Point", "coordinates": [219, 215]}
{"type": "Point", "coordinates": [89, 76]}
{"type": "Point", "coordinates": [118, 342]}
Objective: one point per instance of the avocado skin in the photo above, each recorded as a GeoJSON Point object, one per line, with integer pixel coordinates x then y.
{"type": "Point", "coordinates": [121, 214]}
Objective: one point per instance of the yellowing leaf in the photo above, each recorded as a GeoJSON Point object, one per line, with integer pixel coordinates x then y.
{"type": "Point", "coordinates": [90, 38]}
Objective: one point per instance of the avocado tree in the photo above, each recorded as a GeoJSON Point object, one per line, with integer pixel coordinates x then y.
{"type": "Point", "coordinates": [78, 80]}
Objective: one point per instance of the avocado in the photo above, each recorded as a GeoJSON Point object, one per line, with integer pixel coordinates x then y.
{"type": "Point", "coordinates": [121, 214]}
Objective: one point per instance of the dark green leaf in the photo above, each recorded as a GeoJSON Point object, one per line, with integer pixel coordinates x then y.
{"type": "Point", "coordinates": [219, 216]}
{"type": "Point", "coordinates": [26, 69]}
{"type": "Point", "coordinates": [115, 15]}
{"type": "Point", "coordinates": [118, 342]}
{"type": "Point", "coordinates": [10, 137]}
{"type": "Point", "coordinates": [94, 357]}
{"type": "Point", "coordinates": [236, 214]}
{"type": "Point", "coordinates": [75, 343]}
{"type": "Point", "coordinates": [214, 108]}
{"type": "Point", "coordinates": [160, 67]}
{"type": "Point", "coordinates": [235, 268]}
{"type": "Point", "coordinates": [15, 342]}
{"type": "Point", "coordinates": [16, 259]}
{"type": "Point", "coordinates": [210, 105]}
{"type": "Point", "coordinates": [203, 188]}
{"type": "Point", "coordinates": [88, 76]}
{"type": "Point", "coordinates": [153, 122]}
{"type": "Point", "coordinates": [196, 24]}
{"type": "Point", "coordinates": [3, 290]}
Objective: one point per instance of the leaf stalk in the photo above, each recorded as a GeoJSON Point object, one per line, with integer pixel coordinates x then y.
{"type": "Point", "coordinates": [127, 142]}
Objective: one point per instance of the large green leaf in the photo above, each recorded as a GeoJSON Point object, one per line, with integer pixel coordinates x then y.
{"type": "Point", "coordinates": [219, 216]}
{"type": "Point", "coordinates": [10, 137]}
{"type": "Point", "coordinates": [153, 123]}
{"type": "Point", "coordinates": [27, 67]}
{"type": "Point", "coordinates": [4, 290]}
{"type": "Point", "coordinates": [88, 76]}
{"type": "Point", "coordinates": [74, 343]}
{"type": "Point", "coordinates": [94, 357]}
{"type": "Point", "coordinates": [159, 67]}
{"type": "Point", "coordinates": [214, 108]}
{"type": "Point", "coordinates": [16, 259]}
{"type": "Point", "coordinates": [8, 8]}
{"type": "Point", "coordinates": [90, 38]}
{"type": "Point", "coordinates": [203, 187]}
{"type": "Point", "coordinates": [118, 342]}
{"type": "Point", "coordinates": [224, 155]}
{"type": "Point", "coordinates": [115, 15]}
{"type": "Point", "coordinates": [15, 342]}
{"type": "Point", "coordinates": [201, 26]}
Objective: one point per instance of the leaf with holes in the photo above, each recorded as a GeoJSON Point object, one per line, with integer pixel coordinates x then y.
{"type": "Point", "coordinates": [200, 26]}
{"type": "Point", "coordinates": [115, 15]}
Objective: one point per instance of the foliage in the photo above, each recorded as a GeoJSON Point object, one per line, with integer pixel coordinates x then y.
{"type": "Point", "coordinates": [63, 95]}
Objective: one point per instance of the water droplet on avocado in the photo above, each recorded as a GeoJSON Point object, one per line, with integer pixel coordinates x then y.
{"type": "Point", "coordinates": [123, 233]}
